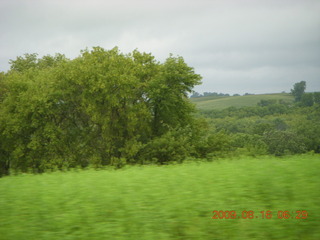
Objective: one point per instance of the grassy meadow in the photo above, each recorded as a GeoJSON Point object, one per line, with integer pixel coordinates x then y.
{"type": "Point", "coordinates": [207, 103]}
{"type": "Point", "coordinates": [167, 202]}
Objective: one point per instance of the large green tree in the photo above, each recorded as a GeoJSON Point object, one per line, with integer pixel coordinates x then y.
{"type": "Point", "coordinates": [104, 107]}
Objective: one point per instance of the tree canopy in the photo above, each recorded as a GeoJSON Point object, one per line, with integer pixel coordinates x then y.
{"type": "Point", "coordinates": [101, 108]}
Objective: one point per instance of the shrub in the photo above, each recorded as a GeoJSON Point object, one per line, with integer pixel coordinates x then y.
{"type": "Point", "coordinates": [284, 142]}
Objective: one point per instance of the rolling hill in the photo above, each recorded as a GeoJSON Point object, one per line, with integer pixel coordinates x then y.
{"type": "Point", "coordinates": [208, 103]}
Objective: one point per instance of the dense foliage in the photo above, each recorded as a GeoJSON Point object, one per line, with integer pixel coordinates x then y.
{"type": "Point", "coordinates": [102, 108]}
{"type": "Point", "coordinates": [271, 127]}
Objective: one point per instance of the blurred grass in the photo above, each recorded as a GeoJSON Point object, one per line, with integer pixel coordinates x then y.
{"type": "Point", "coordinates": [218, 103]}
{"type": "Point", "coordinates": [168, 202]}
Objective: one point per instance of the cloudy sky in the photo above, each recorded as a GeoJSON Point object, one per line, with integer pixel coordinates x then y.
{"type": "Point", "coordinates": [239, 46]}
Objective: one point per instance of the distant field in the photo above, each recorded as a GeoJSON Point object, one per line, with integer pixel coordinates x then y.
{"type": "Point", "coordinates": [207, 103]}
{"type": "Point", "coordinates": [169, 202]}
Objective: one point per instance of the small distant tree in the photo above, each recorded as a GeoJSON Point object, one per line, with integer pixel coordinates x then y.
{"type": "Point", "coordinates": [298, 90]}
{"type": "Point", "coordinates": [195, 94]}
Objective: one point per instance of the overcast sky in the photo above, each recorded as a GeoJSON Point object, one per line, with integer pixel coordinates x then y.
{"type": "Point", "coordinates": [257, 46]}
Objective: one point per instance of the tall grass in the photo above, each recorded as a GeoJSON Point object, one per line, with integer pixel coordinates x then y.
{"type": "Point", "coordinates": [168, 202]}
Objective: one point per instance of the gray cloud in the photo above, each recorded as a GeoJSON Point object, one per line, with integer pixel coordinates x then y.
{"type": "Point", "coordinates": [237, 46]}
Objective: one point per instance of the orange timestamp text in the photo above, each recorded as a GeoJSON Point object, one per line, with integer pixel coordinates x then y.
{"type": "Point", "coordinates": [298, 214]}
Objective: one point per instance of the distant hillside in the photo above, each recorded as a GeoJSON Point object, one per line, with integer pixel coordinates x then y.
{"type": "Point", "coordinates": [207, 103]}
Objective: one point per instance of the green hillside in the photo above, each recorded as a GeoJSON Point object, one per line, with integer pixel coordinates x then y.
{"type": "Point", "coordinates": [207, 103]}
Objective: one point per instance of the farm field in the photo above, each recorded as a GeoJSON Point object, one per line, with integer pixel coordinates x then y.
{"type": "Point", "coordinates": [208, 103]}
{"type": "Point", "coordinates": [167, 202]}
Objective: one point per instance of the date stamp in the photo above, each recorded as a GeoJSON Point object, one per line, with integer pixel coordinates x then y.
{"type": "Point", "coordinates": [299, 214]}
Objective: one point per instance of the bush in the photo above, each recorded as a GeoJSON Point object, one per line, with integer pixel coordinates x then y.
{"type": "Point", "coordinates": [173, 146]}
{"type": "Point", "coordinates": [249, 144]}
{"type": "Point", "coordinates": [214, 145]}
{"type": "Point", "coordinates": [284, 142]}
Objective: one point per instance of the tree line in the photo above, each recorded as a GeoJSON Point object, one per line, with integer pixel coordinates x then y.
{"type": "Point", "coordinates": [210, 94]}
{"type": "Point", "coordinates": [271, 127]}
{"type": "Point", "coordinates": [109, 108]}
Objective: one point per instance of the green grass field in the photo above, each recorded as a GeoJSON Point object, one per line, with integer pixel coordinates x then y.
{"type": "Point", "coordinates": [168, 202]}
{"type": "Point", "coordinates": [208, 103]}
